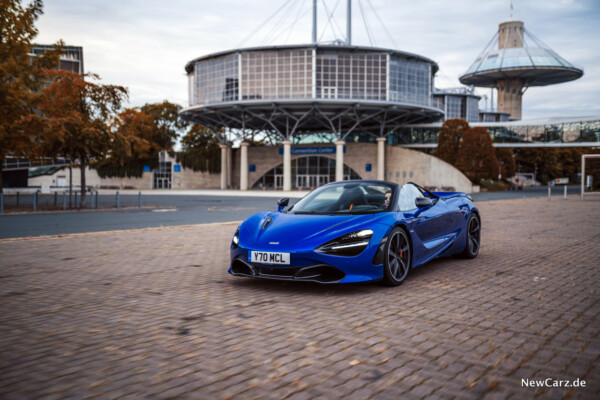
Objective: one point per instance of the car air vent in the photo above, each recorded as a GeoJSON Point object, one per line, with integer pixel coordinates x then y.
{"type": "Point", "coordinates": [267, 222]}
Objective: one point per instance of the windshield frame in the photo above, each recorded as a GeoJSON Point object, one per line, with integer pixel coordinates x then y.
{"type": "Point", "coordinates": [390, 208]}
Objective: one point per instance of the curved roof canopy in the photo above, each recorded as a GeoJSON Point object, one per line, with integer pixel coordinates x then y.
{"type": "Point", "coordinates": [514, 52]}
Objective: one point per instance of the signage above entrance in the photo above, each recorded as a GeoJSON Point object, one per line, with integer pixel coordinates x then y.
{"type": "Point", "coordinates": [312, 150]}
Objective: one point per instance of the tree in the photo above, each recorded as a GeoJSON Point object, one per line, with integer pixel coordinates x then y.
{"type": "Point", "coordinates": [77, 112]}
{"type": "Point", "coordinates": [168, 124]}
{"type": "Point", "coordinates": [451, 133]}
{"type": "Point", "coordinates": [200, 150]}
{"type": "Point", "coordinates": [506, 158]}
{"type": "Point", "coordinates": [21, 77]}
{"type": "Point", "coordinates": [476, 157]}
{"type": "Point", "coordinates": [132, 145]}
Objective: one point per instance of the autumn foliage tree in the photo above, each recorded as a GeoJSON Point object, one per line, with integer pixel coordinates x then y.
{"type": "Point", "coordinates": [167, 122]}
{"type": "Point", "coordinates": [476, 157]}
{"type": "Point", "coordinates": [77, 112]}
{"type": "Point", "coordinates": [132, 144]}
{"type": "Point", "coordinates": [200, 150]}
{"type": "Point", "coordinates": [21, 78]}
{"type": "Point", "coordinates": [506, 159]}
{"type": "Point", "coordinates": [451, 133]}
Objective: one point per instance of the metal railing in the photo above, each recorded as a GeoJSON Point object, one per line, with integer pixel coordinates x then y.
{"type": "Point", "coordinates": [14, 163]}
{"type": "Point", "coordinates": [61, 201]}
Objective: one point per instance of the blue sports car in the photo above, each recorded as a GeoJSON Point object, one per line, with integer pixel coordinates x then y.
{"type": "Point", "coordinates": [356, 231]}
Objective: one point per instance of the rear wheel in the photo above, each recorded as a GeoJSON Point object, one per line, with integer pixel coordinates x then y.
{"type": "Point", "coordinates": [473, 237]}
{"type": "Point", "coordinates": [396, 262]}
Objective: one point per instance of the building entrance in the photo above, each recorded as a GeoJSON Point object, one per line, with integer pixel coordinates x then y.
{"type": "Point", "coordinates": [308, 172]}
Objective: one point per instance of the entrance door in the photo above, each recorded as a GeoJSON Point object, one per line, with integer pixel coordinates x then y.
{"type": "Point", "coordinates": [61, 181]}
{"type": "Point", "coordinates": [301, 181]}
{"type": "Point", "coordinates": [278, 181]}
{"type": "Point", "coordinates": [313, 180]}
{"type": "Point", "coordinates": [323, 179]}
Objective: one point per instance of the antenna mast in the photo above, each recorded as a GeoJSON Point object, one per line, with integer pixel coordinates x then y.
{"type": "Point", "coordinates": [314, 27]}
{"type": "Point", "coordinates": [349, 24]}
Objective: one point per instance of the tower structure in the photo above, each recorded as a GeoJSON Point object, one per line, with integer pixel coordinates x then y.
{"type": "Point", "coordinates": [513, 61]}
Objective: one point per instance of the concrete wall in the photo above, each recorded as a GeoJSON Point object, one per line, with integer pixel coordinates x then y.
{"type": "Point", "coordinates": [405, 165]}
{"type": "Point", "coordinates": [92, 179]}
{"type": "Point", "coordinates": [185, 179]}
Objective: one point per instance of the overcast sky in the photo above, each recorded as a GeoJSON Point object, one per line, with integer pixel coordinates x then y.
{"type": "Point", "coordinates": [145, 44]}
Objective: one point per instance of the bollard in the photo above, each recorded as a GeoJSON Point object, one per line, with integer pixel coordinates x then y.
{"type": "Point", "coordinates": [55, 199]}
{"type": "Point", "coordinates": [117, 199]}
{"type": "Point", "coordinates": [34, 201]}
{"type": "Point", "coordinates": [65, 200]}
{"type": "Point", "coordinates": [1, 203]}
{"type": "Point", "coordinates": [97, 198]}
{"type": "Point", "coordinates": [18, 199]}
{"type": "Point", "coordinates": [549, 193]}
{"type": "Point", "coordinates": [139, 199]}
{"type": "Point", "coordinates": [565, 197]}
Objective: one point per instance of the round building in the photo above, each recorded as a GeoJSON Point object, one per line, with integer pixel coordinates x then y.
{"type": "Point", "coordinates": [292, 92]}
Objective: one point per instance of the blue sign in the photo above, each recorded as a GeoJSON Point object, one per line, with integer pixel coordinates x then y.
{"type": "Point", "coordinates": [146, 168]}
{"type": "Point", "coordinates": [252, 168]}
{"type": "Point", "coordinates": [312, 150]}
{"type": "Point", "coordinates": [177, 168]}
{"type": "Point", "coordinates": [368, 167]}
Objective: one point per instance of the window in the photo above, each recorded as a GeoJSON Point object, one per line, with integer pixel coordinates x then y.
{"type": "Point", "coordinates": [407, 196]}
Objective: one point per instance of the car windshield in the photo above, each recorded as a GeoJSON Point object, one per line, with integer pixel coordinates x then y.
{"type": "Point", "coordinates": [347, 198]}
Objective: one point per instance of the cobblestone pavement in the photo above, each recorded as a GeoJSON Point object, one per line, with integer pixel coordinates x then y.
{"type": "Point", "coordinates": [153, 314]}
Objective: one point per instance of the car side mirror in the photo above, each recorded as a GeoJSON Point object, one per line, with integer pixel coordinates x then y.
{"type": "Point", "coordinates": [422, 202]}
{"type": "Point", "coordinates": [282, 203]}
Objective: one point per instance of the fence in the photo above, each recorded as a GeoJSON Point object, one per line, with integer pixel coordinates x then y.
{"type": "Point", "coordinates": [56, 201]}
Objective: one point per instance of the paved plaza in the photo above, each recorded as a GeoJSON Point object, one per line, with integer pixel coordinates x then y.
{"type": "Point", "coordinates": [152, 313]}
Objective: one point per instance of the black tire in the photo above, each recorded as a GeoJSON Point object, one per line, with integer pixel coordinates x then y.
{"type": "Point", "coordinates": [397, 258]}
{"type": "Point", "coordinates": [473, 237]}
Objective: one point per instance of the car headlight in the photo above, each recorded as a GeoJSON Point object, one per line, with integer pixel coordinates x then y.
{"type": "Point", "coordinates": [235, 242]}
{"type": "Point", "coordinates": [349, 245]}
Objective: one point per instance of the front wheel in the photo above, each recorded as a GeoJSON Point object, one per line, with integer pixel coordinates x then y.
{"type": "Point", "coordinates": [473, 237]}
{"type": "Point", "coordinates": [397, 257]}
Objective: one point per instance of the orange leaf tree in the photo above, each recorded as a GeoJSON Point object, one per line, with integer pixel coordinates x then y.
{"type": "Point", "coordinates": [476, 157]}
{"type": "Point", "coordinates": [133, 135]}
{"type": "Point", "coordinates": [77, 112]}
{"type": "Point", "coordinates": [449, 139]}
{"type": "Point", "coordinates": [21, 78]}
{"type": "Point", "coordinates": [506, 158]}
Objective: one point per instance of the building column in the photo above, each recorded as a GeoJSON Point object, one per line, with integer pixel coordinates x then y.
{"type": "Point", "coordinates": [339, 160]}
{"type": "Point", "coordinates": [229, 166]}
{"type": "Point", "coordinates": [224, 169]}
{"type": "Point", "coordinates": [287, 165]}
{"type": "Point", "coordinates": [244, 166]}
{"type": "Point", "coordinates": [381, 158]}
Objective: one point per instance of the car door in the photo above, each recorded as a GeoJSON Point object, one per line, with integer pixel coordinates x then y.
{"type": "Point", "coordinates": [428, 225]}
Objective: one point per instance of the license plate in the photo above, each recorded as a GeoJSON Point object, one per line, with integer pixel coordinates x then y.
{"type": "Point", "coordinates": [267, 257]}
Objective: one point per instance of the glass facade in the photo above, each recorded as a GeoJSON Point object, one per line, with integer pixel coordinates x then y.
{"type": "Point", "coordinates": [290, 74]}
{"type": "Point", "coordinates": [307, 172]}
{"type": "Point", "coordinates": [454, 107]}
{"type": "Point", "coordinates": [568, 132]}
{"type": "Point", "coordinates": [410, 81]}
{"type": "Point", "coordinates": [351, 75]}
{"type": "Point", "coordinates": [216, 80]}
{"type": "Point", "coordinates": [283, 74]}
{"type": "Point", "coordinates": [472, 109]}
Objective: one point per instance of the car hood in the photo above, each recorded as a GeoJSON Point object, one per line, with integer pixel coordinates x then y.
{"type": "Point", "coordinates": [295, 231]}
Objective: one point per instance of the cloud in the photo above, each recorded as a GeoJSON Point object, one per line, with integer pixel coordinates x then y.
{"type": "Point", "coordinates": [145, 45]}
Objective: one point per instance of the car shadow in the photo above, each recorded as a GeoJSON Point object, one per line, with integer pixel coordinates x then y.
{"type": "Point", "coordinates": [314, 288]}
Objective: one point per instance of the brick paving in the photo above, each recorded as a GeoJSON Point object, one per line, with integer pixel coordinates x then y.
{"type": "Point", "coordinates": [153, 314]}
